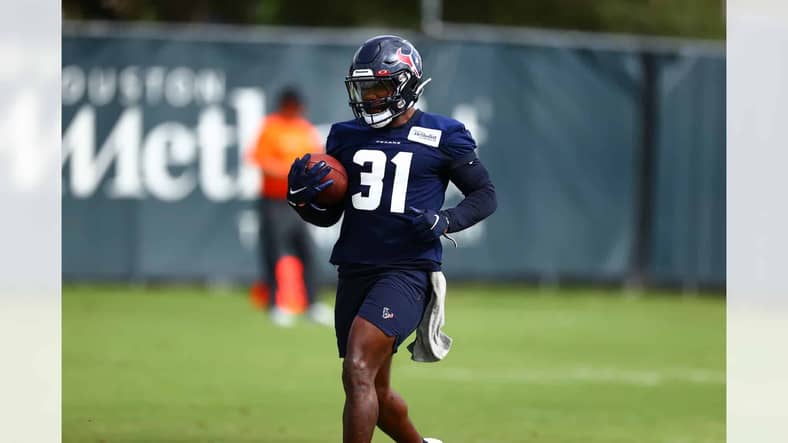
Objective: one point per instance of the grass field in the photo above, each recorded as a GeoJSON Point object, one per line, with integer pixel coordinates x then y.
{"type": "Point", "coordinates": [178, 364]}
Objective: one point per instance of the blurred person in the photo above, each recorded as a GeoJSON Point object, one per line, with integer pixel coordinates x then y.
{"type": "Point", "coordinates": [285, 242]}
{"type": "Point", "coordinates": [399, 161]}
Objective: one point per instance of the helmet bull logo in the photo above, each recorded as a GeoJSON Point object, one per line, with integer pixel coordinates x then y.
{"type": "Point", "coordinates": [408, 60]}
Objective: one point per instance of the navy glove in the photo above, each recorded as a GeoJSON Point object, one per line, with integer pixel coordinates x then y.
{"type": "Point", "coordinates": [429, 224]}
{"type": "Point", "coordinates": [304, 184]}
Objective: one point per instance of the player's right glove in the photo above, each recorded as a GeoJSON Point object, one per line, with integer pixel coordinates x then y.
{"type": "Point", "coordinates": [304, 183]}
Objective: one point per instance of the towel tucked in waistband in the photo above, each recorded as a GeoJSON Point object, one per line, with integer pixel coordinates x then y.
{"type": "Point", "coordinates": [431, 343]}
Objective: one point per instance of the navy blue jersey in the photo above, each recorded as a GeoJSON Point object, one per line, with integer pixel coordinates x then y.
{"type": "Point", "coordinates": [390, 170]}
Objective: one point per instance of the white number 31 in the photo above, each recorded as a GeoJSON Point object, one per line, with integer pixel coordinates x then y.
{"type": "Point", "coordinates": [374, 179]}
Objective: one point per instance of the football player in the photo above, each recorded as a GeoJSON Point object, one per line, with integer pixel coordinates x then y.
{"type": "Point", "coordinates": [399, 161]}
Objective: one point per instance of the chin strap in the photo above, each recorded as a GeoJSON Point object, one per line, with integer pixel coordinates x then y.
{"type": "Point", "coordinates": [381, 124]}
{"type": "Point", "coordinates": [369, 119]}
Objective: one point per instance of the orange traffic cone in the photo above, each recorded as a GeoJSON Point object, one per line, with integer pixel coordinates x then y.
{"type": "Point", "coordinates": [291, 290]}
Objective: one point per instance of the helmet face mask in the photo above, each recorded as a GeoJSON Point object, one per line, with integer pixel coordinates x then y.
{"type": "Point", "coordinates": [375, 100]}
{"type": "Point", "coordinates": [384, 81]}
{"type": "Point", "coordinates": [361, 89]}
{"type": "Point", "coordinates": [372, 94]}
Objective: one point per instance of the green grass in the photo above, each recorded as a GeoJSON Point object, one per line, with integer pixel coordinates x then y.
{"type": "Point", "coordinates": [176, 364]}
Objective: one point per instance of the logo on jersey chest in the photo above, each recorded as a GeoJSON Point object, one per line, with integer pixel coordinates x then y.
{"type": "Point", "coordinates": [426, 136]}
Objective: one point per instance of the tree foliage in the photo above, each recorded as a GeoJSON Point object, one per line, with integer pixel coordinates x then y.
{"type": "Point", "coordinates": [686, 18]}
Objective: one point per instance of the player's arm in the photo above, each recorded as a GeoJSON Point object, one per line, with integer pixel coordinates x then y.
{"type": "Point", "coordinates": [304, 184]}
{"type": "Point", "coordinates": [472, 179]}
{"type": "Point", "coordinates": [319, 216]}
{"type": "Point", "coordinates": [470, 176]}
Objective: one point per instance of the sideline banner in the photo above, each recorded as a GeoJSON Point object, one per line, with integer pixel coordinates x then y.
{"type": "Point", "coordinates": [155, 187]}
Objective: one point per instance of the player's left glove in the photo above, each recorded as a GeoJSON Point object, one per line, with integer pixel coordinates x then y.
{"type": "Point", "coordinates": [429, 224]}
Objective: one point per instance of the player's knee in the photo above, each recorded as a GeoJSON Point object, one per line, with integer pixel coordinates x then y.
{"type": "Point", "coordinates": [389, 401]}
{"type": "Point", "coordinates": [357, 374]}
{"type": "Point", "coordinates": [382, 388]}
{"type": "Point", "coordinates": [383, 392]}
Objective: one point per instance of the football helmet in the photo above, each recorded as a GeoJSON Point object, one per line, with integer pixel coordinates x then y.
{"type": "Point", "coordinates": [385, 80]}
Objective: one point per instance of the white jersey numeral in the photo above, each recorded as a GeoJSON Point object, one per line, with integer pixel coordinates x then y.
{"type": "Point", "coordinates": [374, 179]}
{"type": "Point", "coordinates": [401, 175]}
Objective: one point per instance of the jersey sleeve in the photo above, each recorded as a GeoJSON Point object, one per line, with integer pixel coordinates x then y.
{"type": "Point", "coordinates": [332, 141]}
{"type": "Point", "coordinates": [459, 146]}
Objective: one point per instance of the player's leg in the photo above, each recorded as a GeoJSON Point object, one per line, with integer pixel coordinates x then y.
{"type": "Point", "coordinates": [392, 411]}
{"type": "Point", "coordinates": [368, 348]}
{"type": "Point", "coordinates": [394, 305]}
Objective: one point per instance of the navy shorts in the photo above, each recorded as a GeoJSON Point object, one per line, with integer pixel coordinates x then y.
{"type": "Point", "coordinates": [392, 300]}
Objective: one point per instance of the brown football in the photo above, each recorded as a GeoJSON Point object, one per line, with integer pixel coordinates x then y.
{"type": "Point", "coordinates": [335, 193]}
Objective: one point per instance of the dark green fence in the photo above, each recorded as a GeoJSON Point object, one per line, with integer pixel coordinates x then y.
{"type": "Point", "coordinates": [610, 163]}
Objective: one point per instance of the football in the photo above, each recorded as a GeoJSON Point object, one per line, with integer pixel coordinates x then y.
{"type": "Point", "coordinates": [335, 193]}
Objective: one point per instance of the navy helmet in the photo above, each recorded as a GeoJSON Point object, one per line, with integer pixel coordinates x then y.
{"type": "Point", "coordinates": [385, 79]}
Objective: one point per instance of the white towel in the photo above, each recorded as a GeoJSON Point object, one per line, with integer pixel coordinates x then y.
{"type": "Point", "coordinates": [431, 343]}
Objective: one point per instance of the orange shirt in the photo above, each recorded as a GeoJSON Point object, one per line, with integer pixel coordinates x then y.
{"type": "Point", "coordinates": [281, 140]}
